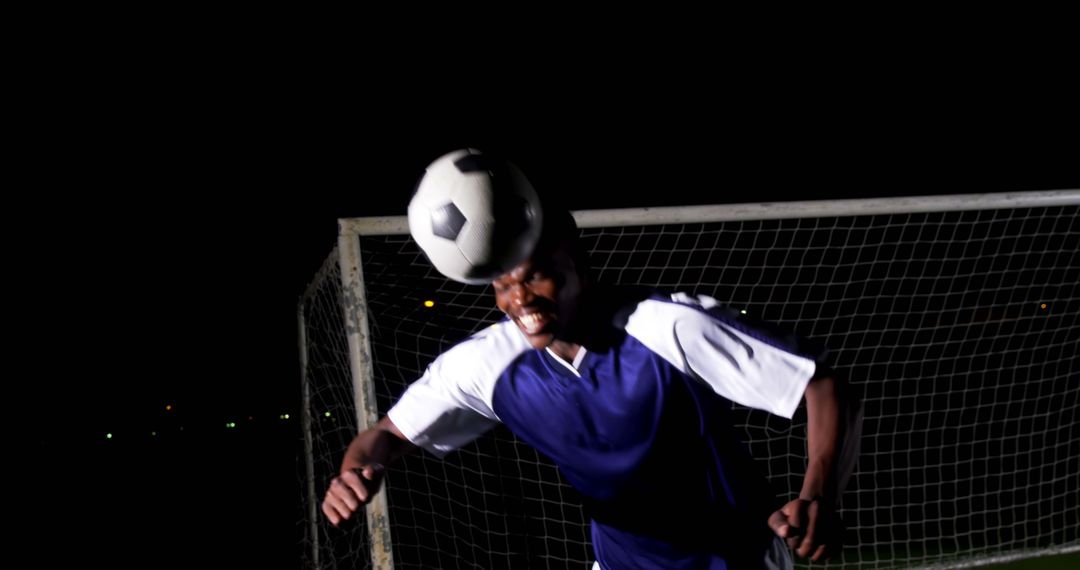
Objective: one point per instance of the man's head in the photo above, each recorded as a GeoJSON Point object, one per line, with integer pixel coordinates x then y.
{"type": "Point", "coordinates": [542, 294]}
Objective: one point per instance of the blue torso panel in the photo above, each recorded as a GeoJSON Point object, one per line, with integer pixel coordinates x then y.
{"type": "Point", "coordinates": [651, 448]}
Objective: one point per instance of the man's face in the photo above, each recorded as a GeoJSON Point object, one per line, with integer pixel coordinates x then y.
{"type": "Point", "coordinates": [541, 296]}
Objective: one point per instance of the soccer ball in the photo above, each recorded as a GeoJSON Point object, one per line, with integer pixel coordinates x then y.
{"type": "Point", "coordinates": [474, 216]}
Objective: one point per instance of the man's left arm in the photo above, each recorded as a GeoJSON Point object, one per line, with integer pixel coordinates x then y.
{"type": "Point", "coordinates": [809, 524]}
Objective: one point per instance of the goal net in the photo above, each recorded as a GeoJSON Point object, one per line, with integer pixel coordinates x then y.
{"type": "Point", "coordinates": [955, 316]}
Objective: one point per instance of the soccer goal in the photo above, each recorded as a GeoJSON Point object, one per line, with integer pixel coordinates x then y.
{"type": "Point", "coordinates": [958, 317]}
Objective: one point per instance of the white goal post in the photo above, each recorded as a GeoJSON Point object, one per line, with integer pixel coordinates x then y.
{"type": "Point", "coordinates": [957, 317]}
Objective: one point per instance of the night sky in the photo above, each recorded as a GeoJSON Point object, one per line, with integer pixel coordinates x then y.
{"type": "Point", "coordinates": [195, 209]}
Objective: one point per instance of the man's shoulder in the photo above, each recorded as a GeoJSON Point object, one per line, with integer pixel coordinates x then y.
{"type": "Point", "coordinates": [709, 313]}
{"type": "Point", "coordinates": [659, 305]}
{"type": "Point", "coordinates": [498, 336]}
{"type": "Point", "coordinates": [665, 315]}
{"type": "Point", "coordinates": [488, 349]}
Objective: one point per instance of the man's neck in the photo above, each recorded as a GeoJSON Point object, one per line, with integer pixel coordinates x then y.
{"type": "Point", "coordinates": [565, 350]}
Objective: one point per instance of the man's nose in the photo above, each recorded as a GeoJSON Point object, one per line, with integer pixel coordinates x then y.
{"type": "Point", "coordinates": [521, 295]}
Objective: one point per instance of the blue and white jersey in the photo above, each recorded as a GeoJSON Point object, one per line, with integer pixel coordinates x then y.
{"type": "Point", "coordinates": [640, 425]}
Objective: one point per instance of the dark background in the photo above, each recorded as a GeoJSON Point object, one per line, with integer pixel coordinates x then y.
{"type": "Point", "coordinates": [176, 205]}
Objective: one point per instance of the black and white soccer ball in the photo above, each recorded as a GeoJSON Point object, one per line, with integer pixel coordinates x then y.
{"type": "Point", "coordinates": [474, 216]}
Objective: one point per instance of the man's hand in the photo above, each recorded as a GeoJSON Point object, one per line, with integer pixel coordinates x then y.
{"type": "Point", "coordinates": [362, 469]}
{"type": "Point", "coordinates": [810, 527]}
{"type": "Point", "coordinates": [351, 489]}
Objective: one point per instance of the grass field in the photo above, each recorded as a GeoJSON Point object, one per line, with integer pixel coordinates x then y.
{"type": "Point", "coordinates": [867, 559]}
{"type": "Point", "coordinates": [1061, 562]}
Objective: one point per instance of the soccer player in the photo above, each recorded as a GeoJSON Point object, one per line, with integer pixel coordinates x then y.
{"type": "Point", "coordinates": [629, 392]}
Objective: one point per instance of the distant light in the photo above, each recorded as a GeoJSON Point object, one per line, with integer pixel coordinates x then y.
{"type": "Point", "coordinates": [108, 436]}
{"type": "Point", "coordinates": [284, 416]}
{"type": "Point", "coordinates": [251, 419]}
{"type": "Point", "coordinates": [429, 304]}
{"type": "Point", "coordinates": [168, 408]}
{"type": "Point", "coordinates": [230, 425]}
{"type": "Point", "coordinates": [327, 414]}
{"type": "Point", "coordinates": [1043, 306]}
{"type": "Point", "coordinates": [743, 311]}
{"type": "Point", "coordinates": [153, 433]}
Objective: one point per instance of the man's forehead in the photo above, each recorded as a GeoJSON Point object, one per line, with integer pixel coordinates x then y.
{"type": "Point", "coordinates": [512, 274]}
{"type": "Point", "coordinates": [521, 270]}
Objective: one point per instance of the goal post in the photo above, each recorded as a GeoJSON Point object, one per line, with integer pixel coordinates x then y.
{"type": "Point", "coordinates": [957, 317]}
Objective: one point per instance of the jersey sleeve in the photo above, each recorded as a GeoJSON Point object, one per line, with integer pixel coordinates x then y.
{"type": "Point", "coordinates": [450, 405]}
{"type": "Point", "coordinates": [750, 364]}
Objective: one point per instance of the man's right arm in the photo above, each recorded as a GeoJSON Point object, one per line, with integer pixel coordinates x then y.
{"type": "Point", "coordinates": [367, 457]}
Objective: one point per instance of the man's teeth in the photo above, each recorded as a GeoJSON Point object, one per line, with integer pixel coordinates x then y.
{"type": "Point", "coordinates": [532, 322]}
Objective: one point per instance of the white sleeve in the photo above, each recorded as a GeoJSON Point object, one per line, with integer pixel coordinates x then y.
{"type": "Point", "coordinates": [738, 362]}
{"type": "Point", "coordinates": [450, 405]}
